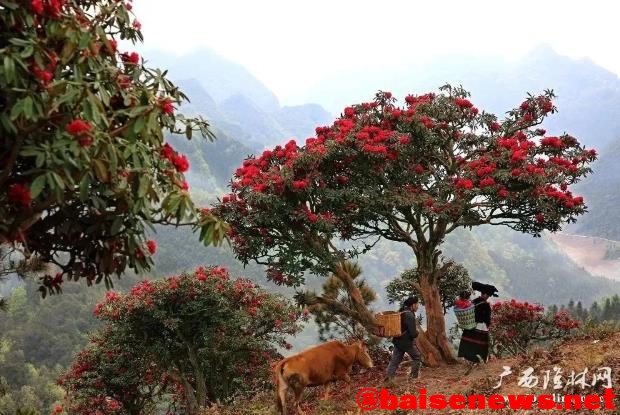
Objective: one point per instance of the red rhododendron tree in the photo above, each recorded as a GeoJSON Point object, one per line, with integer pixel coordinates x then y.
{"type": "Point", "coordinates": [83, 165]}
{"type": "Point", "coordinates": [210, 335]}
{"type": "Point", "coordinates": [113, 375]}
{"type": "Point", "coordinates": [516, 326]}
{"type": "Point", "coordinates": [411, 174]}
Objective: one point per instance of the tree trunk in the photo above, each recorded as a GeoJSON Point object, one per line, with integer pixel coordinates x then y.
{"type": "Point", "coordinates": [435, 322]}
{"type": "Point", "coordinates": [430, 354]}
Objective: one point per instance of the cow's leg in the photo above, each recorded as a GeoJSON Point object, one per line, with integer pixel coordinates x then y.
{"type": "Point", "coordinates": [281, 398]}
{"type": "Point", "coordinates": [298, 392]}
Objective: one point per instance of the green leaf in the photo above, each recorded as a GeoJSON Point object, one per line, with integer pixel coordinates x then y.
{"type": "Point", "coordinates": [84, 187]}
{"type": "Point", "coordinates": [100, 170]}
{"type": "Point", "coordinates": [188, 132]}
{"type": "Point", "coordinates": [17, 109]}
{"type": "Point", "coordinates": [28, 108]}
{"type": "Point", "coordinates": [116, 225]}
{"type": "Point", "coordinates": [7, 124]}
{"type": "Point", "coordinates": [145, 184]}
{"type": "Point", "coordinates": [67, 51]}
{"type": "Point", "coordinates": [9, 69]}
{"type": "Point", "coordinates": [138, 124]}
{"type": "Point", "coordinates": [37, 186]}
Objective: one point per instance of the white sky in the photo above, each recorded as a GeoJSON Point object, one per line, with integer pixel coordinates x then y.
{"type": "Point", "coordinates": [291, 44]}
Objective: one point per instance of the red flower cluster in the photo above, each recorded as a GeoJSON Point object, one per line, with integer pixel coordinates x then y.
{"type": "Point", "coordinates": [166, 106]}
{"type": "Point", "coordinates": [563, 320]}
{"type": "Point", "coordinates": [152, 246]}
{"type": "Point", "coordinates": [52, 7]}
{"type": "Point", "coordinates": [132, 58]}
{"type": "Point", "coordinates": [516, 325]}
{"type": "Point", "coordinates": [180, 161]}
{"type": "Point", "coordinates": [20, 193]}
{"type": "Point", "coordinates": [80, 128]}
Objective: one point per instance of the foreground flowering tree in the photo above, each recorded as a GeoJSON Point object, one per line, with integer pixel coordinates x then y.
{"type": "Point", "coordinates": [411, 174]}
{"type": "Point", "coordinates": [114, 376]}
{"type": "Point", "coordinates": [516, 326]}
{"type": "Point", "coordinates": [83, 164]}
{"type": "Point", "coordinates": [205, 335]}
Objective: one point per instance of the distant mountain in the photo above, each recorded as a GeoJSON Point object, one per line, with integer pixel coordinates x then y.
{"type": "Point", "coordinates": [302, 120]}
{"type": "Point", "coordinates": [602, 196]}
{"type": "Point", "coordinates": [236, 102]}
{"type": "Point", "coordinates": [588, 96]}
{"type": "Point", "coordinates": [219, 76]}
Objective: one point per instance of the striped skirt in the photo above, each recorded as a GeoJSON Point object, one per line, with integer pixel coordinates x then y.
{"type": "Point", "coordinates": [474, 343]}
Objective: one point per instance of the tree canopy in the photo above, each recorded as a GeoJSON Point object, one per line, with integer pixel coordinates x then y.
{"type": "Point", "coordinates": [205, 336]}
{"type": "Point", "coordinates": [84, 169]}
{"type": "Point", "coordinates": [410, 174]}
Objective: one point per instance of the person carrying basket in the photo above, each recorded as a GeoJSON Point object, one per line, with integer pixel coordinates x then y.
{"type": "Point", "coordinates": [475, 321]}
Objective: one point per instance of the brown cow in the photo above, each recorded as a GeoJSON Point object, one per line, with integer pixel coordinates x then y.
{"type": "Point", "coordinates": [317, 366]}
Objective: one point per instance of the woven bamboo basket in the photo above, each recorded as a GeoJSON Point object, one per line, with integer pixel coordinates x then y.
{"type": "Point", "coordinates": [389, 324]}
{"type": "Point", "coordinates": [466, 317]}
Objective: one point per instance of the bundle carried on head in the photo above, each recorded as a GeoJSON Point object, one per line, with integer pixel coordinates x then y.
{"type": "Point", "coordinates": [485, 288]}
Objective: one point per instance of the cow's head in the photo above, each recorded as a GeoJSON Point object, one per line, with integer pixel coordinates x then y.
{"type": "Point", "coordinates": [361, 356]}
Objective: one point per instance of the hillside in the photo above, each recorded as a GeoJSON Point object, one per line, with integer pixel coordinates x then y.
{"type": "Point", "coordinates": [600, 191]}
{"type": "Point", "coordinates": [236, 102]}
{"type": "Point", "coordinates": [571, 356]}
{"type": "Point", "coordinates": [598, 256]}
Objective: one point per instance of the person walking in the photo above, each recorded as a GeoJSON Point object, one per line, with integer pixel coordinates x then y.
{"type": "Point", "coordinates": [405, 343]}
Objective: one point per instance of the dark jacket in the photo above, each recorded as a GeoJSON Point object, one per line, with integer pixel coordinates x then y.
{"type": "Point", "coordinates": [408, 329]}
{"type": "Point", "coordinates": [483, 311]}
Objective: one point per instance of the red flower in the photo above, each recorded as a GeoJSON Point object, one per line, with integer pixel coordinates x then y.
{"type": "Point", "coordinates": [349, 112]}
{"type": "Point", "coordinates": [551, 142]}
{"type": "Point", "coordinates": [428, 123]}
{"type": "Point", "coordinates": [463, 103]}
{"type": "Point", "coordinates": [20, 193]}
{"type": "Point", "coordinates": [181, 163]}
{"type": "Point", "coordinates": [85, 141]}
{"type": "Point", "coordinates": [464, 183]}
{"type": "Point", "coordinates": [78, 126]}
{"type": "Point", "coordinates": [487, 181]}
{"type": "Point", "coordinates": [495, 126]}
{"type": "Point", "coordinates": [44, 76]}
{"type": "Point", "coordinates": [132, 58]}
{"type": "Point", "coordinates": [166, 106]}
{"type": "Point", "coordinates": [502, 193]}
{"type": "Point", "coordinates": [137, 25]}
{"type": "Point", "coordinates": [403, 139]}
{"type": "Point", "coordinates": [37, 6]}
{"type": "Point", "coordinates": [185, 185]}
{"type": "Point", "coordinates": [152, 246]}
{"type": "Point", "coordinates": [539, 217]}
{"type": "Point", "coordinates": [54, 7]}
{"type": "Point", "coordinates": [300, 184]}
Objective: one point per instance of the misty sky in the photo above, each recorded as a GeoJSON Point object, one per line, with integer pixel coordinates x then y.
{"type": "Point", "coordinates": [289, 45]}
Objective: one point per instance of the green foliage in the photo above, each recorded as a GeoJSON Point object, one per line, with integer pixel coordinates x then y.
{"type": "Point", "coordinates": [85, 171]}
{"type": "Point", "coordinates": [453, 278]}
{"type": "Point", "coordinates": [210, 336]}
{"type": "Point", "coordinates": [333, 324]}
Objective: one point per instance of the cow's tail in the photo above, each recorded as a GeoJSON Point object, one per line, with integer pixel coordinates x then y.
{"type": "Point", "coordinates": [281, 387]}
